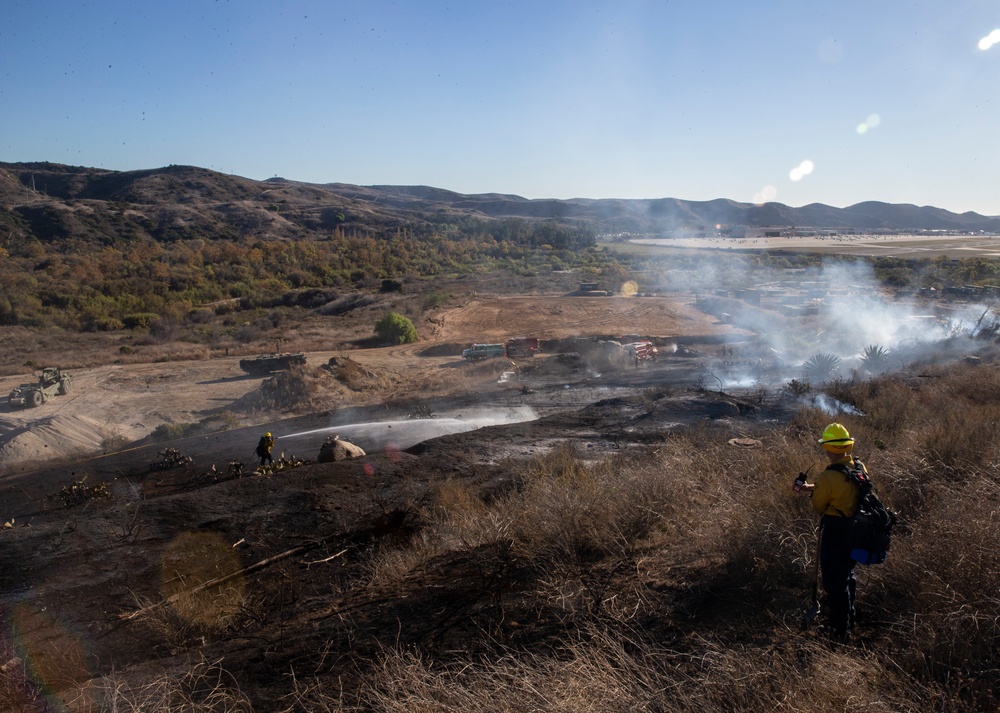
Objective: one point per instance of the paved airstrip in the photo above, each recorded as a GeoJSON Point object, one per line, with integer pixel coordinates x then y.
{"type": "Point", "coordinates": [927, 246]}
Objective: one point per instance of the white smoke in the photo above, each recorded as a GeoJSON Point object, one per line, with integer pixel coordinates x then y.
{"type": "Point", "coordinates": [829, 405]}
{"type": "Point", "coordinates": [837, 308]}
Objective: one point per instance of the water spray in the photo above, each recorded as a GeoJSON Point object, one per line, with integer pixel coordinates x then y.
{"type": "Point", "coordinates": [404, 433]}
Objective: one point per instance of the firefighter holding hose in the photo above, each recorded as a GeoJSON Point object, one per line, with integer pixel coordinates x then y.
{"type": "Point", "coordinates": [264, 446]}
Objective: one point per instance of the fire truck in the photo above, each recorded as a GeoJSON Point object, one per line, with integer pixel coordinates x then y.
{"type": "Point", "coordinates": [476, 352]}
{"type": "Point", "coordinates": [521, 347]}
{"type": "Point", "coordinates": [638, 352]}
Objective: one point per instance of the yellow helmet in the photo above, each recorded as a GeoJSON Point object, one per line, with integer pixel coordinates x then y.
{"type": "Point", "coordinates": [268, 434]}
{"type": "Point", "coordinates": [836, 439]}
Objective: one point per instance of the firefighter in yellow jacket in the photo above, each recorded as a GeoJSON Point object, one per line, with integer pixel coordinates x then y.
{"type": "Point", "coordinates": [264, 446]}
{"type": "Point", "coordinates": [836, 499]}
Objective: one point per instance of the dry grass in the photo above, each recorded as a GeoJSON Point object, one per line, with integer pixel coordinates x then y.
{"type": "Point", "coordinates": [204, 687]}
{"type": "Point", "coordinates": [606, 671]}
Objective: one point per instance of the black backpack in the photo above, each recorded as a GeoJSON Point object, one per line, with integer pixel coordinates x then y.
{"type": "Point", "coordinates": [870, 532]}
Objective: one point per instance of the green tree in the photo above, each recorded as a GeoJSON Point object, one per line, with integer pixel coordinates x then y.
{"type": "Point", "coordinates": [395, 329]}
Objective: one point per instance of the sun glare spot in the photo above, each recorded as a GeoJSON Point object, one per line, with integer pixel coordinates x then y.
{"type": "Point", "coordinates": [990, 40]}
{"type": "Point", "coordinates": [871, 122]}
{"type": "Point", "coordinates": [802, 170]}
{"type": "Point", "coordinates": [630, 288]}
{"type": "Point", "coordinates": [765, 195]}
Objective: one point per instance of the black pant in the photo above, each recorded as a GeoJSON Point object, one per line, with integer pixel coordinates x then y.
{"type": "Point", "coordinates": [265, 457]}
{"type": "Point", "coordinates": [837, 569]}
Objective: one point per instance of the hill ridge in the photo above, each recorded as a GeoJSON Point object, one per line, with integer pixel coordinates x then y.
{"type": "Point", "coordinates": [24, 183]}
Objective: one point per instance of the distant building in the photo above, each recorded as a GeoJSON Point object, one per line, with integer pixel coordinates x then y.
{"type": "Point", "coordinates": [790, 231]}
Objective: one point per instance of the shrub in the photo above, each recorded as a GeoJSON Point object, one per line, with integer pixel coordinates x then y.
{"type": "Point", "coordinates": [113, 441]}
{"type": "Point", "coordinates": [395, 329]}
{"type": "Point", "coordinates": [437, 299]}
{"type": "Point", "coordinates": [140, 319]}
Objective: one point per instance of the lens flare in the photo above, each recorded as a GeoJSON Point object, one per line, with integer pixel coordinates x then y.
{"type": "Point", "coordinates": [802, 170]}
{"type": "Point", "coordinates": [193, 559]}
{"type": "Point", "coordinates": [765, 195]}
{"type": "Point", "coordinates": [990, 40]}
{"type": "Point", "coordinates": [54, 659]}
{"type": "Point", "coordinates": [869, 123]}
{"type": "Point", "coordinates": [629, 289]}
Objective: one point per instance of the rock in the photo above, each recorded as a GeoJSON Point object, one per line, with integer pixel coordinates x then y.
{"type": "Point", "coordinates": [723, 409]}
{"type": "Point", "coordinates": [335, 449]}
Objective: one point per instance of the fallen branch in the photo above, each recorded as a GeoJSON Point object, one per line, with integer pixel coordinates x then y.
{"type": "Point", "coordinates": [221, 580]}
{"type": "Point", "coordinates": [331, 557]}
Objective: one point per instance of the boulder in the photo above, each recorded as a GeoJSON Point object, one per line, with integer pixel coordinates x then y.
{"type": "Point", "coordinates": [335, 449]}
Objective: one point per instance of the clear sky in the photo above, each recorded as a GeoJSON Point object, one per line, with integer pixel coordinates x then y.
{"type": "Point", "coordinates": [785, 100]}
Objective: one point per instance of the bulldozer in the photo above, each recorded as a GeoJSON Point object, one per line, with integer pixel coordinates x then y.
{"type": "Point", "coordinates": [53, 381]}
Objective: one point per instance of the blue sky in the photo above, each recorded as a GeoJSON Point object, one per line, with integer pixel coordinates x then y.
{"type": "Point", "coordinates": [782, 100]}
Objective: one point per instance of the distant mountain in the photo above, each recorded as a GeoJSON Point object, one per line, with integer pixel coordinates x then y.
{"type": "Point", "coordinates": [220, 204]}
{"type": "Point", "coordinates": [664, 214]}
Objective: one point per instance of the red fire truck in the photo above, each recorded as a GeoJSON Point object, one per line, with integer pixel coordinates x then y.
{"type": "Point", "coordinates": [521, 347]}
{"type": "Point", "coordinates": [638, 352]}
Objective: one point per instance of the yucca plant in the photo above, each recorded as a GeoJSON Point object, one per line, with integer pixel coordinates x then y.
{"type": "Point", "coordinates": [820, 367]}
{"type": "Point", "coordinates": [875, 358]}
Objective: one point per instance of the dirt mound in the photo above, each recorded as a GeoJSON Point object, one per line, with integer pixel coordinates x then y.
{"type": "Point", "coordinates": [52, 438]}
{"type": "Point", "coordinates": [352, 374]}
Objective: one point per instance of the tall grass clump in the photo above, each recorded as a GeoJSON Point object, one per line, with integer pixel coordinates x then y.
{"type": "Point", "coordinates": [204, 687]}
{"type": "Point", "coordinates": [944, 590]}
{"type": "Point", "coordinates": [579, 526]}
{"type": "Point", "coordinates": [608, 671]}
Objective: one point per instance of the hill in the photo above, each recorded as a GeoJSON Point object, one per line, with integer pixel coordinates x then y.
{"type": "Point", "coordinates": [187, 197]}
